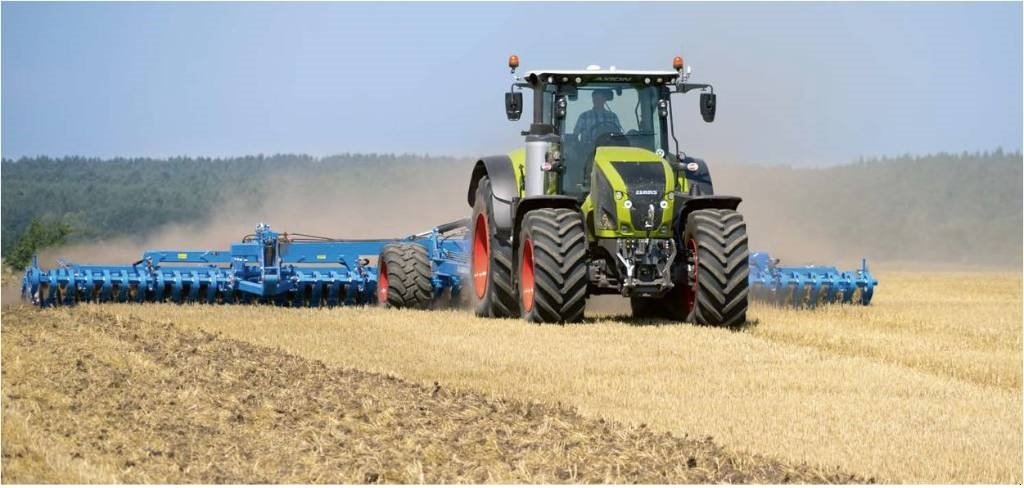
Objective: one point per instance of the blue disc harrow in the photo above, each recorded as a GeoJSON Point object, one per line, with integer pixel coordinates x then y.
{"type": "Point", "coordinates": [265, 267]}
{"type": "Point", "coordinates": [808, 286]}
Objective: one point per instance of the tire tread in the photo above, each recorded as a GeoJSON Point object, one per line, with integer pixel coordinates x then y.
{"type": "Point", "coordinates": [560, 264]}
{"type": "Point", "coordinates": [722, 294]}
{"type": "Point", "coordinates": [409, 275]}
{"type": "Point", "coordinates": [501, 299]}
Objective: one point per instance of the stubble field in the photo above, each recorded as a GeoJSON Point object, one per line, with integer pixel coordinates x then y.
{"type": "Point", "coordinates": [922, 386]}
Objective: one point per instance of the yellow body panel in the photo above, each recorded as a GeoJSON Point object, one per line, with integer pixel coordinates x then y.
{"type": "Point", "coordinates": [603, 159]}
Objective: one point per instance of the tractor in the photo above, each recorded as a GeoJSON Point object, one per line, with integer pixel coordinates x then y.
{"type": "Point", "coordinates": [599, 202]}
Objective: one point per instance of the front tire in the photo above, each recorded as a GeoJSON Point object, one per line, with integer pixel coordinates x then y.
{"type": "Point", "coordinates": [552, 259]}
{"type": "Point", "coordinates": [717, 261]}
{"type": "Point", "coordinates": [492, 293]}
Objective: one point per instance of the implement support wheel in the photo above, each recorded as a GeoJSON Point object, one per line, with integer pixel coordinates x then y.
{"type": "Point", "coordinates": [404, 276]}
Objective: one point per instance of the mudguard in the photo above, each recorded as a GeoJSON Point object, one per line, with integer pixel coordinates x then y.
{"type": "Point", "coordinates": [541, 201]}
{"type": "Point", "coordinates": [504, 190]}
{"type": "Point", "coordinates": [686, 204]}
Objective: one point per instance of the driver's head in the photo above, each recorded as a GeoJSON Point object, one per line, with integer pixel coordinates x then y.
{"type": "Point", "coordinates": [601, 97]}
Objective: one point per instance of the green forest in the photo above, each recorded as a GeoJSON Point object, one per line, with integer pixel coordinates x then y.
{"type": "Point", "coordinates": [941, 208]}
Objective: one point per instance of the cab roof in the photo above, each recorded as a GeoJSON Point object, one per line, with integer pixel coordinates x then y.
{"type": "Point", "coordinates": [598, 74]}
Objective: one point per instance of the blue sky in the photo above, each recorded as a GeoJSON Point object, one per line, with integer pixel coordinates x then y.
{"type": "Point", "coordinates": [798, 83]}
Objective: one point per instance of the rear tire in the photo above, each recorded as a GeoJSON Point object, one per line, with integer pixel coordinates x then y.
{"type": "Point", "coordinates": [404, 276]}
{"type": "Point", "coordinates": [491, 288]}
{"type": "Point", "coordinates": [716, 245]}
{"type": "Point", "coordinates": [552, 261]}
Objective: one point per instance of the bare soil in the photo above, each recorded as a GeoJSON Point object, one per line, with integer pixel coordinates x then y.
{"type": "Point", "coordinates": [92, 396]}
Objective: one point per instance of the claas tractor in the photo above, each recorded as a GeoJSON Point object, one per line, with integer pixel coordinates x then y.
{"type": "Point", "coordinates": [601, 200]}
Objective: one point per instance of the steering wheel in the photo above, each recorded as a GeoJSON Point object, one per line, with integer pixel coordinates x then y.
{"type": "Point", "coordinates": [613, 139]}
{"type": "Point", "coordinates": [609, 134]}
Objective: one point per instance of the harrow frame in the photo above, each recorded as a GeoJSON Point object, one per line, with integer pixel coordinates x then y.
{"type": "Point", "coordinates": [808, 286]}
{"type": "Point", "coordinates": [265, 267]}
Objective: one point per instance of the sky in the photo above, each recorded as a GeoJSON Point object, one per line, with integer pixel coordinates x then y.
{"type": "Point", "coordinates": [803, 84]}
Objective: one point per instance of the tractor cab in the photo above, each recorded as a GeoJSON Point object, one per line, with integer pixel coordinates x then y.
{"type": "Point", "coordinates": [582, 110]}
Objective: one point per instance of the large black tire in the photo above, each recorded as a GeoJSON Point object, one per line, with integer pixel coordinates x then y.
{"type": "Point", "coordinates": [716, 245]}
{"type": "Point", "coordinates": [552, 275]}
{"type": "Point", "coordinates": [404, 276]}
{"type": "Point", "coordinates": [491, 289]}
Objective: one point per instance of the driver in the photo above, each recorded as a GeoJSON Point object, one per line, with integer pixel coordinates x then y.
{"type": "Point", "coordinates": [598, 120]}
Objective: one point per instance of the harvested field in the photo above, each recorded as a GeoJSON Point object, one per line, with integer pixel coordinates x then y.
{"type": "Point", "coordinates": [964, 326]}
{"type": "Point", "coordinates": [95, 396]}
{"type": "Point", "coordinates": [923, 386]}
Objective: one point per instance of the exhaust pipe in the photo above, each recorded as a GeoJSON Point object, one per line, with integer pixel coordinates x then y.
{"type": "Point", "coordinates": [538, 142]}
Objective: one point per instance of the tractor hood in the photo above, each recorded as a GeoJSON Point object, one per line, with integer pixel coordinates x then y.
{"type": "Point", "coordinates": [632, 193]}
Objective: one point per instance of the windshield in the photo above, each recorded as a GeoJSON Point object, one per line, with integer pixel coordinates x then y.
{"type": "Point", "coordinates": [604, 114]}
{"type": "Point", "coordinates": [600, 109]}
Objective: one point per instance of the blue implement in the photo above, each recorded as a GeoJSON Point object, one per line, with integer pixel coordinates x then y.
{"type": "Point", "coordinates": [808, 286]}
{"type": "Point", "coordinates": [264, 267]}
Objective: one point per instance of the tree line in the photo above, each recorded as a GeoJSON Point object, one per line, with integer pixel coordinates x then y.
{"type": "Point", "coordinates": [960, 208]}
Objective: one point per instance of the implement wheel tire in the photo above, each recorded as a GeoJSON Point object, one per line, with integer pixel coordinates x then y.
{"type": "Point", "coordinates": [404, 276]}
{"type": "Point", "coordinates": [491, 289]}
{"type": "Point", "coordinates": [552, 259]}
{"type": "Point", "coordinates": [715, 243]}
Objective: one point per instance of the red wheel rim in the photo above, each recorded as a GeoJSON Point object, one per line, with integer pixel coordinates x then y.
{"type": "Point", "coordinates": [481, 255]}
{"type": "Point", "coordinates": [691, 291]}
{"type": "Point", "coordinates": [526, 281]}
{"type": "Point", "coordinates": [382, 282]}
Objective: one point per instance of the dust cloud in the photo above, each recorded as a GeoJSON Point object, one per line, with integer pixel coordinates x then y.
{"type": "Point", "coordinates": [770, 226]}
{"type": "Point", "coordinates": [829, 216]}
{"type": "Point", "coordinates": [332, 206]}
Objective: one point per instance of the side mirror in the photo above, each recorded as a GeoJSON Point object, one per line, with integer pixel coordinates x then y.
{"type": "Point", "coordinates": [514, 105]}
{"type": "Point", "coordinates": [707, 106]}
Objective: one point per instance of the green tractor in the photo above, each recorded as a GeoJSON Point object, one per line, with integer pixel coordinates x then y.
{"type": "Point", "coordinates": [598, 203]}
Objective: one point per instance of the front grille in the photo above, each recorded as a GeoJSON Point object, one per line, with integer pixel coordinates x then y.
{"type": "Point", "coordinates": [645, 183]}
